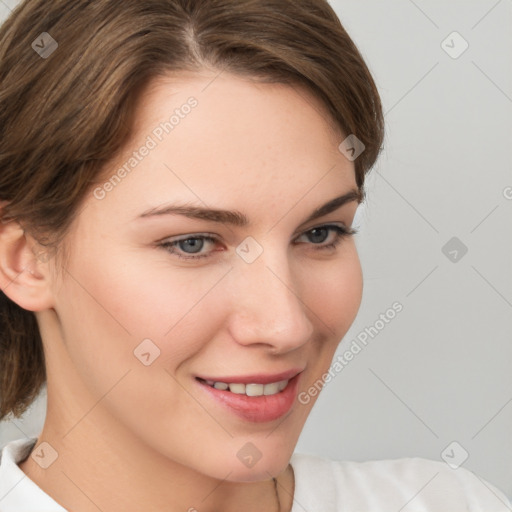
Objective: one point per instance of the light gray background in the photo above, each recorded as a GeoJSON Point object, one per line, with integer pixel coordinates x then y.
{"type": "Point", "coordinates": [440, 370]}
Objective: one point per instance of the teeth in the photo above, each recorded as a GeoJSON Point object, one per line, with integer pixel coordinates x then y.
{"type": "Point", "coordinates": [250, 389]}
{"type": "Point", "coordinates": [282, 384]}
{"type": "Point", "coordinates": [239, 389]}
{"type": "Point", "coordinates": [254, 389]}
{"type": "Point", "coordinates": [271, 389]}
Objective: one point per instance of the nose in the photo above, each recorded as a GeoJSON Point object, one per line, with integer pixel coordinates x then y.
{"type": "Point", "coordinates": [266, 309]}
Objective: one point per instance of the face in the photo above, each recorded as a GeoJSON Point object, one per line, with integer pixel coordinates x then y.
{"type": "Point", "coordinates": [153, 305]}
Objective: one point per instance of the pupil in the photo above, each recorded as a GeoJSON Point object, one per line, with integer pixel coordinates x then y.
{"type": "Point", "coordinates": [315, 232]}
{"type": "Point", "coordinates": [194, 243]}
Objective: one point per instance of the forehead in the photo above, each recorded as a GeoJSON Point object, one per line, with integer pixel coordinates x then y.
{"type": "Point", "coordinates": [239, 106]}
{"type": "Point", "coordinates": [217, 138]}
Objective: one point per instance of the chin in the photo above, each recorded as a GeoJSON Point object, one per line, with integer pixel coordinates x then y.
{"type": "Point", "coordinates": [265, 464]}
{"type": "Point", "coordinates": [258, 473]}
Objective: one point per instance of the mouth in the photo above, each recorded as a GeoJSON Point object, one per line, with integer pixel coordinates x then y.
{"type": "Point", "coordinates": [252, 389]}
{"type": "Point", "coordinates": [256, 398]}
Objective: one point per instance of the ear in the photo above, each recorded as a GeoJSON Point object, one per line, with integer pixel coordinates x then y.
{"type": "Point", "coordinates": [24, 278]}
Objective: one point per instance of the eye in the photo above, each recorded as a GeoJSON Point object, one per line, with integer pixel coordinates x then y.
{"type": "Point", "coordinates": [193, 243]}
{"type": "Point", "coordinates": [319, 235]}
{"type": "Point", "coordinates": [189, 248]}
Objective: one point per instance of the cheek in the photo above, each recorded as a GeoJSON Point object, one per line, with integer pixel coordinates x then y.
{"type": "Point", "coordinates": [334, 291]}
{"type": "Point", "coordinates": [122, 305]}
{"type": "Point", "coordinates": [107, 310]}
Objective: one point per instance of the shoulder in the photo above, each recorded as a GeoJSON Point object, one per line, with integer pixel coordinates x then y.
{"type": "Point", "coordinates": [405, 484]}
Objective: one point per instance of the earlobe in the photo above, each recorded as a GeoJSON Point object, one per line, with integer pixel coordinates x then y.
{"type": "Point", "coordinates": [24, 278]}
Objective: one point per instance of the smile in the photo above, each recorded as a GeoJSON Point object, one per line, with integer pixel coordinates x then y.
{"type": "Point", "coordinates": [269, 389]}
{"type": "Point", "coordinates": [255, 398]}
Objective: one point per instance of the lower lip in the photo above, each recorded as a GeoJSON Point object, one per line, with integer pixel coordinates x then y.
{"type": "Point", "coordinates": [257, 409]}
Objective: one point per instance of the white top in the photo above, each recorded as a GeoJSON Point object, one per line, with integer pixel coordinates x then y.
{"type": "Point", "coordinates": [321, 485]}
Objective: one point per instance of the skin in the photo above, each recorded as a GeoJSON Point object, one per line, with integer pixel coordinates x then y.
{"type": "Point", "coordinates": [127, 434]}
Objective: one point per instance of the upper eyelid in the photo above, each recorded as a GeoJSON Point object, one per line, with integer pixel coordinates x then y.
{"type": "Point", "coordinates": [216, 237]}
{"type": "Point", "coordinates": [324, 225]}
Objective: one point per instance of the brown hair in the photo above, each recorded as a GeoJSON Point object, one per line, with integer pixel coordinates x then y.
{"type": "Point", "coordinates": [63, 117]}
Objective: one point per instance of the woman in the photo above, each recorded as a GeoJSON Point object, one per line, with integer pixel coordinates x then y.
{"type": "Point", "coordinates": [166, 170]}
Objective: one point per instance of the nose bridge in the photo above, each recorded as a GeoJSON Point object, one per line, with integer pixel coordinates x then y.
{"type": "Point", "coordinates": [266, 306]}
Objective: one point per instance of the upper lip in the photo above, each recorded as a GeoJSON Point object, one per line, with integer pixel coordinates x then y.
{"type": "Point", "coordinates": [256, 378]}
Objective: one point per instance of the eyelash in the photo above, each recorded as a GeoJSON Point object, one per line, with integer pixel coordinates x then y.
{"type": "Point", "coordinates": [342, 232]}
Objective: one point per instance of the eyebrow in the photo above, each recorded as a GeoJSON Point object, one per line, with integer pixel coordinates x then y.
{"type": "Point", "coordinates": [236, 218]}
